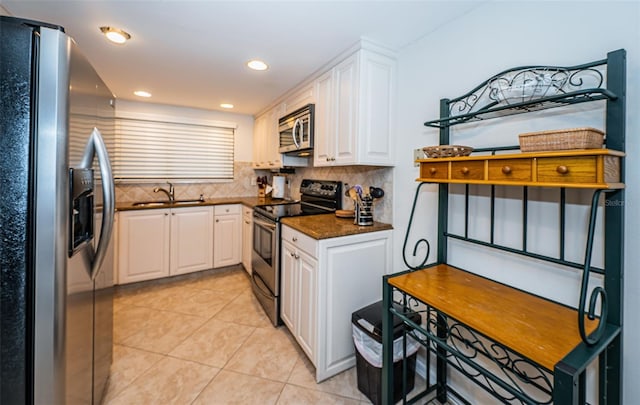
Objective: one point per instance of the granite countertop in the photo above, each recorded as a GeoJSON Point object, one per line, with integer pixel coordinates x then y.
{"type": "Point", "coordinates": [326, 226]}
{"type": "Point", "coordinates": [246, 201]}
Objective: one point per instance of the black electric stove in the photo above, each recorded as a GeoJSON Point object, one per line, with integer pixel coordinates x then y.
{"type": "Point", "coordinates": [316, 197]}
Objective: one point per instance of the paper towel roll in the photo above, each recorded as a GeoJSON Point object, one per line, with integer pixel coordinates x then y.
{"type": "Point", "coordinates": [278, 186]}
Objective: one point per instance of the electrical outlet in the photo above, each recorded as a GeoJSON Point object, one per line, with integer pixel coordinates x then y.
{"type": "Point", "coordinates": [417, 154]}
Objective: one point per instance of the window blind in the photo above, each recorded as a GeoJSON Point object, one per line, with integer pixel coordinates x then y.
{"type": "Point", "coordinates": [80, 127]}
{"type": "Point", "coordinates": [153, 150]}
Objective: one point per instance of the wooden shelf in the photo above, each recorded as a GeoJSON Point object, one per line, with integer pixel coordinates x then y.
{"type": "Point", "coordinates": [537, 329]}
{"type": "Point", "coordinates": [584, 168]}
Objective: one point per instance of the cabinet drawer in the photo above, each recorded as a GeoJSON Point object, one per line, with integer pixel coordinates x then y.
{"type": "Point", "coordinates": [228, 209]}
{"type": "Point", "coordinates": [300, 240]}
{"type": "Point", "coordinates": [435, 170]}
{"type": "Point", "coordinates": [579, 169]}
{"type": "Point", "coordinates": [473, 170]}
{"type": "Point", "coordinates": [510, 170]}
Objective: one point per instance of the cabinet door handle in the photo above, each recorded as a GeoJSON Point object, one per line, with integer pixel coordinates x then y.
{"type": "Point", "coordinates": [465, 170]}
{"type": "Point", "coordinates": [506, 169]}
{"type": "Point", "coordinates": [433, 170]}
{"type": "Point", "coordinates": [295, 239]}
{"type": "Point", "coordinates": [562, 169]}
{"type": "Point", "coordinates": [166, 214]}
{"type": "Point", "coordinates": [173, 213]}
{"type": "Point", "coordinates": [217, 220]}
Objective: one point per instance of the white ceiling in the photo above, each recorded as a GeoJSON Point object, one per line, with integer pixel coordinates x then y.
{"type": "Point", "coordinates": [193, 53]}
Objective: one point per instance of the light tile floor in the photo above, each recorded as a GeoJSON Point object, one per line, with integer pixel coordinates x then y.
{"type": "Point", "coordinates": [204, 339]}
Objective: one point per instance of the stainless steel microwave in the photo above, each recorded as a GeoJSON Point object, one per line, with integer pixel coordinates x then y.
{"type": "Point", "coordinates": [296, 132]}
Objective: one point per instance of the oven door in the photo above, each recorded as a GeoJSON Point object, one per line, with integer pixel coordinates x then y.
{"type": "Point", "coordinates": [264, 258]}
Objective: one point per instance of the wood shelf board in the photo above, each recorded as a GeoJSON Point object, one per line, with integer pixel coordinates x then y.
{"type": "Point", "coordinates": [528, 155]}
{"type": "Point", "coordinates": [611, 186]}
{"type": "Point", "coordinates": [537, 329]}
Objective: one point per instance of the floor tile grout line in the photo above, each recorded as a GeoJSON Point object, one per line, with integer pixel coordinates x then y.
{"type": "Point", "coordinates": [230, 357]}
{"type": "Point", "coordinates": [141, 373]}
{"type": "Point", "coordinates": [237, 292]}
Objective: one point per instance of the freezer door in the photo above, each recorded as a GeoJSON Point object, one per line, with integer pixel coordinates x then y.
{"type": "Point", "coordinates": [50, 210]}
{"type": "Point", "coordinates": [90, 270]}
{"type": "Point", "coordinates": [15, 177]}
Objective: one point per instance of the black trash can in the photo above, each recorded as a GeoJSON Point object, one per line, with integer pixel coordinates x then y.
{"type": "Point", "coordinates": [369, 321]}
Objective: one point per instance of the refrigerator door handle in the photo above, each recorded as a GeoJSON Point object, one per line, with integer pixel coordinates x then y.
{"type": "Point", "coordinates": [96, 147]}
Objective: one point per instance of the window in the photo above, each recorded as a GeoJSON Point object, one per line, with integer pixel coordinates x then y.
{"type": "Point", "coordinates": [151, 150]}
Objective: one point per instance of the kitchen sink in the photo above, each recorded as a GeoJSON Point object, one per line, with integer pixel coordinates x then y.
{"type": "Point", "coordinates": [180, 202]}
{"type": "Point", "coordinates": [165, 203]}
{"type": "Point", "coordinates": [151, 203]}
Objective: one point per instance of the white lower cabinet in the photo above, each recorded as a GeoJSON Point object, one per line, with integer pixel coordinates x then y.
{"type": "Point", "coordinates": [162, 242]}
{"type": "Point", "coordinates": [247, 238]}
{"type": "Point", "coordinates": [323, 283]}
{"type": "Point", "coordinates": [299, 280]}
{"type": "Point", "coordinates": [227, 242]}
{"type": "Point", "coordinates": [191, 240]}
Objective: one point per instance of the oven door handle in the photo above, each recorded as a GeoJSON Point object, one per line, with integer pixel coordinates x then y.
{"type": "Point", "coordinates": [264, 224]}
{"type": "Point", "coordinates": [260, 285]}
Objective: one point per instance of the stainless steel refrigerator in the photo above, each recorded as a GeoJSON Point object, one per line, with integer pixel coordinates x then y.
{"type": "Point", "coordinates": [56, 219]}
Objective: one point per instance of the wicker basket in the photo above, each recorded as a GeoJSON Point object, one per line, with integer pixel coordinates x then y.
{"type": "Point", "coordinates": [562, 139]}
{"type": "Point", "coordinates": [442, 151]}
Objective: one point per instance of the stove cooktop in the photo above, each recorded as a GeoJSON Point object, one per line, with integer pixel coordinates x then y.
{"type": "Point", "coordinates": [275, 212]}
{"type": "Point", "coordinates": [317, 197]}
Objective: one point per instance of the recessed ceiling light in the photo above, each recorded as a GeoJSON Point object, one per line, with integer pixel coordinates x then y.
{"type": "Point", "coordinates": [226, 105]}
{"type": "Point", "coordinates": [257, 65]}
{"type": "Point", "coordinates": [115, 35]}
{"type": "Point", "coordinates": [142, 93]}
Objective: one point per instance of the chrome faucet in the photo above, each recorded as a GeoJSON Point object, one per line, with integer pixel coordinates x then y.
{"type": "Point", "coordinates": [169, 193]}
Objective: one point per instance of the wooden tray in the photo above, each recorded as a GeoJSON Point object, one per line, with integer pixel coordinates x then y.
{"type": "Point", "coordinates": [345, 213]}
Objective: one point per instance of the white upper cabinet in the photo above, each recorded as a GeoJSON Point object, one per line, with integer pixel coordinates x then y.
{"type": "Point", "coordinates": [299, 98]}
{"type": "Point", "coordinates": [259, 139]}
{"type": "Point", "coordinates": [266, 142]}
{"type": "Point", "coordinates": [324, 145]}
{"type": "Point", "coordinates": [355, 111]}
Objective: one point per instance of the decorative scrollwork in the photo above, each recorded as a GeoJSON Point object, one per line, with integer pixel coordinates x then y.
{"type": "Point", "coordinates": [506, 375]}
{"type": "Point", "coordinates": [421, 241]}
{"type": "Point", "coordinates": [598, 292]}
{"type": "Point", "coordinates": [526, 84]}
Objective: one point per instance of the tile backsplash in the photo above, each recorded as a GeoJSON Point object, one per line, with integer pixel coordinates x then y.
{"type": "Point", "coordinates": [366, 176]}
{"type": "Point", "coordinates": [241, 187]}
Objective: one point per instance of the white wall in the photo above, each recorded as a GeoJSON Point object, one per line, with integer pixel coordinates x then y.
{"type": "Point", "coordinates": [497, 36]}
{"type": "Point", "coordinates": [243, 134]}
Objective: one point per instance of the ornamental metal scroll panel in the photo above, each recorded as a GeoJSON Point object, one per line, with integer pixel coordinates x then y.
{"type": "Point", "coordinates": [494, 367]}
{"type": "Point", "coordinates": [528, 88]}
{"type": "Point", "coordinates": [420, 243]}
